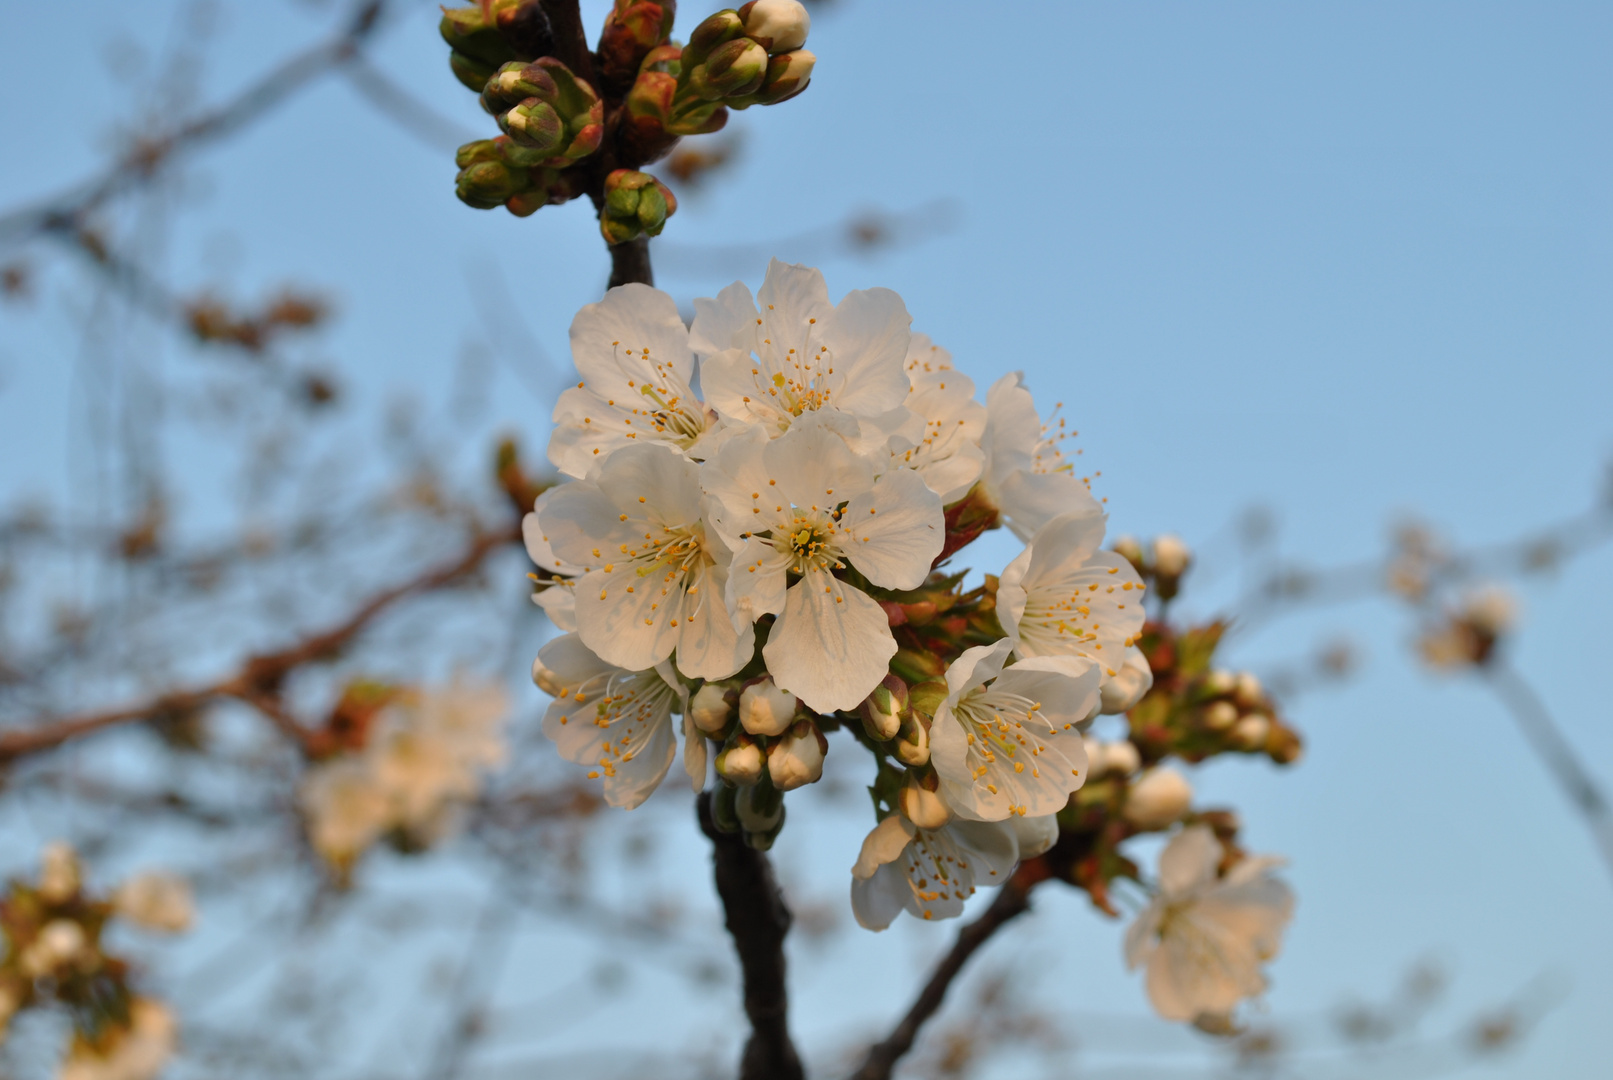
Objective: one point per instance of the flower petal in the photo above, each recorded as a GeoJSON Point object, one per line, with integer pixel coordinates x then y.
{"type": "Point", "coordinates": [895, 531]}
{"type": "Point", "coordinates": [831, 645]}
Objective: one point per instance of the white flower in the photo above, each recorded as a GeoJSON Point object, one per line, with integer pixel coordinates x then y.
{"type": "Point", "coordinates": [779, 25]}
{"type": "Point", "coordinates": [558, 598]}
{"type": "Point", "coordinates": [632, 352]}
{"type": "Point", "coordinates": [138, 1052]}
{"type": "Point", "coordinates": [1035, 835]}
{"type": "Point", "coordinates": [940, 439]}
{"type": "Point", "coordinates": [427, 750]}
{"type": "Point", "coordinates": [1008, 741]}
{"type": "Point", "coordinates": [930, 872]}
{"type": "Point", "coordinates": [653, 581]}
{"type": "Point", "coordinates": [1131, 681]}
{"type": "Point", "coordinates": [804, 504]}
{"type": "Point", "coordinates": [796, 354]}
{"type": "Point", "coordinates": [1250, 733]}
{"type": "Point", "coordinates": [925, 357]}
{"type": "Point", "coordinates": [796, 760]}
{"type": "Point", "coordinates": [1064, 596]}
{"type": "Point", "coordinates": [58, 943]}
{"type": "Point", "coordinates": [1204, 938]}
{"type": "Point", "coordinates": [345, 808]}
{"type": "Point", "coordinates": [59, 872]}
{"type": "Point", "coordinates": [1492, 610]}
{"type": "Point", "coordinates": [1026, 476]}
{"type": "Point", "coordinates": [617, 721]}
{"type": "Point", "coordinates": [764, 709]}
{"type": "Point", "coordinates": [1161, 796]}
{"type": "Point", "coordinates": [156, 901]}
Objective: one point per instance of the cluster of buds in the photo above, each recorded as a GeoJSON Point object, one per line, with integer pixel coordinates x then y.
{"type": "Point", "coordinates": [769, 744]}
{"type": "Point", "coordinates": [53, 955]}
{"type": "Point", "coordinates": [1467, 635]}
{"type": "Point", "coordinates": [636, 204]}
{"type": "Point", "coordinates": [1196, 711]}
{"type": "Point", "coordinates": [647, 91]}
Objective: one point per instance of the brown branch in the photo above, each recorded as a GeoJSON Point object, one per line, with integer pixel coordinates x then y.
{"type": "Point", "coordinates": [1012, 900]}
{"type": "Point", "coordinates": [147, 156]}
{"type": "Point", "coordinates": [757, 920]}
{"type": "Point", "coordinates": [631, 262]}
{"type": "Point", "coordinates": [258, 679]}
{"type": "Point", "coordinates": [570, 39]}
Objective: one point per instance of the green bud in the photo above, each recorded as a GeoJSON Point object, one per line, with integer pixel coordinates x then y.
{"type": "Point", "coordinates": [635, 203]}
{"type": "Point", "coordinates": [472, 74]}
{"type": "Point", "coordinates": [882, 710]}
{"type": "Point", "coordinates": [514, 83]}
{"type": "Point", "coordinates": [718, 29]}
{"type": "Point", "coordinates": [653, 208]}
{"type": "Point", "coordinates": [535, 124]}
{"type": "Point", "coordinates": [621, 202]}
{"type": "Point", "coordinates": [732, 70]}
{"type": "Point", "coordinates": [787, 75]}
{"type": "Point", "coordinates": [467, 32]}
{"type": "Point", "coordinates": [487, 184]}
{"type": "Point", "coordinates": [480, 150]}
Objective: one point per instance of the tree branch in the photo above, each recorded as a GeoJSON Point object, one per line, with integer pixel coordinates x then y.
{"type": "Point", "coordinates": [1554, 749]}
{"type": "Point", "coordinates": [757, 920]}
{"type": "Point", "coordinates": [631, 262]}
{"type": "Point", "coordinates": [1011, 901]}
{"type": "Point", "coordinates": [259, 677]}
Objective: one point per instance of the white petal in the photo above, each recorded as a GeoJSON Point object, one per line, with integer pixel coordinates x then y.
{"type": "Point", "coordinates": [876, 901]}
{"type": "Point", "coordinates": [1035, 835]}
{"type": "Point", "coordinates": [868, 337]}
{"type": "Point", "coordinates": [1030, 500]}
{"type": "Point", "coordinates": [832, 644]}
{"type": "Point", "coordinates": [709, 646]}
{"type": "Point", "coordinates": [582, 524]}
{"type": "Point", "coordinates": [726, 322]}
{"type": "Point", "coordinates": [895, 531]}
{"type": "Point", "coordinates": [814, 467]}
{"type": "Point", "coordinates": [994, 846]}
{"type": "Point", "coordinates": [694, 753]}
{"type": "Point", "coordinates": [883, 844]}
{"type": "Point", "coordinates": [756, 581]}
{"type": "Point", "coordinates": [790, 296]}
{"type": "Point", "coordinates": [978, 665]}
{"type": "Point", "coordinates": [1189, 860]}
{"type": "Point", "coordinates": [1142, 936]}
{"type": "Point", "coordinates": [627, 619]}
{"type": "Point", "coordinates": [608, 340]}
{"type": "Point", "coordinates": [559, 603]}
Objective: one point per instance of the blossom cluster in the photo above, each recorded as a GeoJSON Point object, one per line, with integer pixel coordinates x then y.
{"type": "Point", "coordinates": [754, 535]}
{"type": "Point", "coordinates": [409, 758]}
{"type": "Point", "coordinates": [54, 954]}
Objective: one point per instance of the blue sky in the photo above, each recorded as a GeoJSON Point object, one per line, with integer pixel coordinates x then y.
{"type": "Point", "coordinates": [1347, 262]}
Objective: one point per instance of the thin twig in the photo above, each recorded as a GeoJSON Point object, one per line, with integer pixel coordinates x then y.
{"type": "Point", "coordinates": [758, 921]}
{"type": "Point", "coordinates": [1554, 749]}
{"type": "Point", "coordinates": [630, 262]}
{"type": "Point", "coordinates": [1011, 901]}
{"type": "Point", "coordinates": [259, 677]}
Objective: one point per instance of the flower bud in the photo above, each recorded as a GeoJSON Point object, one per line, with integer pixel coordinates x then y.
{"type": "Point", "coordinates": [1119, 692]}
{"type": "Point", "coordinates": [913, 740]}
{"type": "Point", "coordinates": [1119, 758]}
{"type": "Point", "coordinates": [57, 943]}
{"type": "Point", "coordinates": [1129, 549]}
{"type": "Point", "coordinates": [514, 83]}
{"type": "Point", "coordinates": [796, 760]}
{"type": "Point", "coordinates": [762, 839]}
{"type": "Point", "coordinates": [470, 34]}
{"type": "Point", "coordinates": [1220, 716]}
{"type": "Point", "coordinates": [717, 30]}
{"type": "Point", "coordinates": [1284, 745]}
{"type": "Point", "coordinates": [635, 203]}
{"type": "Point", "coordinates": [733, 69]}
{"type": "Point", "coordinates": [711, 708]}
{"type": "Point", "coordinates": [921, 805]}
{"type": "Point", "coordinates": [740, 762]}
{"type": "Point", "coordinates": [1036, 835]}
{"type": "Point", "coordinates": [1491, 611]}
{"type": "Point", "coordinates": [787, 75]}
{"type": "Point", "coordinates": [764, 709]}
{"type": "Point", "coordinates": [1171, 556]}
{"type": "Point", "coordinates": [471, 73]}
{"type": "Point", "coordinates": [1250, 732]}
{"type": "Point", "coordinates": [535, 124]}
{"type": "Point", "coordinates": [776, 25]}
{"type": "Point", "coordinates": [882, 710]}
{"type": "Point", "coordinates": [156, 901]}
{"type": "Point", "coordinates": [1159, 798]}
{"type": "Point", "coordinates": [488, 184]}
{"type": "Point", "coordinates": [1219, 681]}
{"type": "Point", "coordinates": [759, 807]}
{"type": "Point", "coordinates": [59, 873]}
{"type": "Point", "coordinates": [546, 680]}
{"type": "Point", "coordinates": [1247, 691]}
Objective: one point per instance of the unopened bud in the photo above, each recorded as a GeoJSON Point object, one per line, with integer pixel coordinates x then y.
{"type": "Point", "coordinates": [535, 124]}
{"type": "Point", "coordinates": [57, 943]}
{"type": "Point", "coordinates": [764, 709]}
{"type": "Point", "coordinates": [1120, 691]}
{"type": "Point", "coordinates": [922, 805]}
{"type": "Point", "coordinates": [711, 708]}
{"type": "Point", "coordinates": [1118, 758]}
{"type": "Point", "coordinates": [733, 69]}
{"type": "Point", "coordinates": [469, 33]}
{"type": "Point", "coordinates": [1284, 745]}
{"type": "Point", "coordinates": [1247, 691]}
{"type": "Point", "coordinates": [1171, 556]}
{"type": "Point", "coordinates": [1220, 681]}
{"type": "Point", "coordinates": [776, 25]}
{"type": "Point", "coordinates": [514, 83]}
{"type": "Point", "coordinates": [1250, 732]}
{"type": "Point", "coordinates": [546, 680]}
{"type": "Point", "coordinates": [59, 873]}
{"type": "Point", "coordinates": [759, 807]}
{"type": "Point", "coordinates": [1129, 549]}
{"type": "Point", "coordinates": [487, 184]}
{"type": "Point", "coordinates": [1220, 716]}
{"type": "Point", "coordinates": [717, 30]}
{"type": "Point", "coordinates": [1159, 798]}
{"type": "Point", "coordinates": [471, 73]}
{"type": "Point", "coordinates": [1036, 835]}
{"type": "Point", "coordinates": [787, 75]}
{"type": "Point", "coordinates": [1491, 611]}
{"type": "Point", "coordinates": [635, 203]}
{"type": "Point", "coordinates": [740, 762]}
{"type": "Point", "coordinates": [882, 710]}
{"type": "Point", "coordinates": [912, 743]}
{"type": "Point", "coordinates": [796, 760]}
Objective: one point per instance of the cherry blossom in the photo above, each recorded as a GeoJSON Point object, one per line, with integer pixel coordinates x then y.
{"type": "Point", "coordinates": [1025, 475]}
{"type": "Point", "coordinates": [928, 872]}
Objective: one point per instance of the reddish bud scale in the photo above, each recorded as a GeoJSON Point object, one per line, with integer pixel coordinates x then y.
{"type": "Point", "coordinates": [966, 519]}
